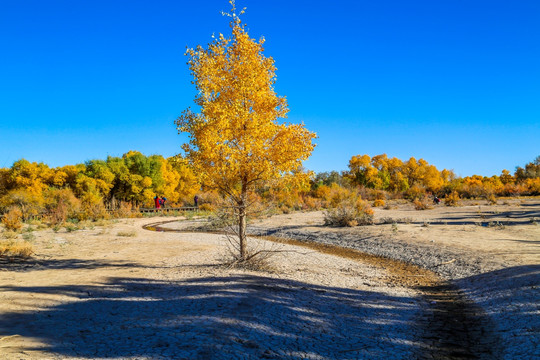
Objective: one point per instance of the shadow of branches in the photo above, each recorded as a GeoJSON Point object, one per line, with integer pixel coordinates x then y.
{"type": "Point", "coordinates": [38, 264]}
{"type": "Point", "coordinates": [250, 316]}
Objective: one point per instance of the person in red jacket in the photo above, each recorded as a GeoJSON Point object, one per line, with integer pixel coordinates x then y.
{"type": "Point", "coordinates": [157, 201]}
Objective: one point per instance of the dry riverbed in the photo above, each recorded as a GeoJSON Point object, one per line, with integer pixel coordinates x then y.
{"type": "Point", "coordinates": [119, 291]}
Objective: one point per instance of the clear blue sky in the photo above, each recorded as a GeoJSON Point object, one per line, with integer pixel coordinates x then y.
{"type": "Point", "coordinates": [454, 82]}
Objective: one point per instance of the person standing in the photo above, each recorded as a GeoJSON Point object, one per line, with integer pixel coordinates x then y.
{"type": "Point", "coordinates": [157, 202]}
{"type": "Point", "coordinates": [196, 201]}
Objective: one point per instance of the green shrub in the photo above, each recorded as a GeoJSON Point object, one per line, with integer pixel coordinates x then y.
{"type": "Point", "coordinates": [28, 236]}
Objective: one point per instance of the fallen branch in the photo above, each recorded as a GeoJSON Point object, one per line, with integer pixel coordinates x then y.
{"type": "Point", "coordinates": [446, 262]}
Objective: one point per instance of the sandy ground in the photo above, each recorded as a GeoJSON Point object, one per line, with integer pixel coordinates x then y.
{"type": "Point", "coordinates": [96, 294]}
{"type": "Point", "coordinates": [118, 291]}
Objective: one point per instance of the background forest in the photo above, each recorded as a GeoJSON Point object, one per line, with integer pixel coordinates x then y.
{"type": "Point", "coordinates": [118, 186]}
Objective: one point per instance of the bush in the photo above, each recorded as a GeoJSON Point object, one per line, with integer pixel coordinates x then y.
{"type": "Point", "coordinates": [389, 206]}
{"type": "Point", "coordinates": [379, 203]}
{"type": "Point", "coordinates": [207, 207]}
{"type": "Point", "coordinates": [124, 210]}
{"type": "Point", "coordinates": [209, 200]}
{"type": "Point", "coordinates": [311, 203]}
{"type": "Point", "coordinates": [92, 208]}
{"type": "Point", "coordinates": [70, 227]}
{"type": "Point", "coordinates": [372, 194]}
{"type": "Point", "coordinates": [322, 192]}
{"type": "Point", "coordinates": [61, 204]}
{"type": "Point", "coordinates": [423, 203]}
{"type": "Point", "coordinates": [415, 192]}
{"type": "Point", "coordinates": [491, 199]}
{"type": "Point", "coordinates": [349, 212]}
{"type": "Point", "coordinates": [12, 220]}
{"type": "Point", "coordinates": [452, 199]}
{"type": "Point", "coordinates": [222, 218]}
{"type": "Point", "coordinates": [11, 248]}
{"type": "Point", "coordinates": [28, 203]}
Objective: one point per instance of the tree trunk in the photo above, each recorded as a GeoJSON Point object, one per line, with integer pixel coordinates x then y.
{"type": "Point", "coordinates": [242, 223]}
{"type": "Point", "coordinates": [242, 231]}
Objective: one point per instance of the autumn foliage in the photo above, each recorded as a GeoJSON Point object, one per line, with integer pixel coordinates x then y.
{"type": "Point", "coordinates": [87, 191]}
{"type": "Point", "coordinates": [413, 179]}
{"type": "Point", "coordinates": [237, 141]}
{"type": "Point", "coordinates": [12, 220]}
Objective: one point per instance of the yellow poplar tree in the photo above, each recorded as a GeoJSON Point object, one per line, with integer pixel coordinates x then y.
{"type": "Point", "coordinates": [236, 142]}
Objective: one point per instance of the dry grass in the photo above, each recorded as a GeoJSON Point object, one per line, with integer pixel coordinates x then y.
{"type": "Point", "coordinates": [422, 204]}
{"type": "Point", "coordinates": [125, 210]}
{"type": "Point", "coordinates": [102, 222]}
{"type": "Point", "coordinates": [70, 227]}
{"type": "Point", "coordinates": [390, 220]}
{"type": "Point", "coordinates": [12, 220]}
{"type": "Point", "coordinates": [349, 212]}
{"type": "Point", "coordinates": [28, 236]}
{"type": "Point", "coordinates": [389, 206]}
{"type": "Point", "coordinates": [387, 220]}
{"type": "Point", "coordinates": [127, 233]}
{"type": "Point", "coordinates": [491, 199]}
{"type": "Point", "coordinates": [9, 234]}
{"type": "Point", "coordinates": [15, 249]}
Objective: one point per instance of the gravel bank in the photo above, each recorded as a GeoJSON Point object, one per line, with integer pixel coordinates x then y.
{"type": "Point", "coordinates": [450, 264]}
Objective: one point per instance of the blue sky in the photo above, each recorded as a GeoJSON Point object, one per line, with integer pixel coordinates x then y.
{"type": "Point", "coordinates": [454, 82]}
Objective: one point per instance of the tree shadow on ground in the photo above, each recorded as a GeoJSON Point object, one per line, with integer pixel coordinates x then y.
{"type": "Point", "coordinates": [248, 316]}
{"type": "Point", "coordinates": [511, 296]}
{"type": "Point", "coordinates": [38, 264]}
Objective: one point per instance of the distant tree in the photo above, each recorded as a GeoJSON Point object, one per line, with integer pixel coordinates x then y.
{"type": "Point", "coordinates": [31, 176]}
{"type": "Point", "coordinates": [328, 178]}
{"type": "Point", "coordinates": [66, 176]}
{"type": "Point", "coordinates": [531, 170]}
{"type": "Point", "coordinates": [236, 142]}
{"type": "Point", "coordinates": [506, 178]}
{"type": "Point", "coordinates": [361, 170]}
{"type": "Point", "coordinates": [188, 184]}
{"type": "Point", "coordinates": [146, 176]}
{"type": "Point", "coordinates": [394, 175]}
{"type": "Point", "coordinates": [121, 190]}
{"type": "Point", "coordinates": [101, 175]}
{"type": "Point", "coordinates": [4, 176]}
